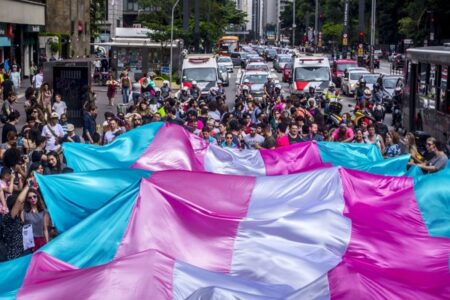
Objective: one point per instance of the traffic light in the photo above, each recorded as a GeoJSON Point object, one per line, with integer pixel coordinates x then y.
{"type": "Point", "coordinates": [361, 37]}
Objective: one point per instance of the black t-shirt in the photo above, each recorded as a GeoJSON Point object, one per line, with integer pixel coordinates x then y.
{"type": "Point", "coordinates": [7, 128]}
{"type": "Point", "coordinates": [269, 142]}
{"type": "Point", "coordinates": [296, 140]}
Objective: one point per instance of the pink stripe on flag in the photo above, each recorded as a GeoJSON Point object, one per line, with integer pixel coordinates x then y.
{"type": "Point", "coordinates": [140, 276]}
{"type": "Point", "coordinates": [173, 148]}
{"type": "Point", "coordinates": [190, 222]}
{"type": "Point", "coordinates": [391, 254]}
{"type": "Point", "coordinates": [293, 159]}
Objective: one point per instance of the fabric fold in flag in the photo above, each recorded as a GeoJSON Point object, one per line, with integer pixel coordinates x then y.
{"type": "Point", "coordinates": [162, 147]}
{"type": "Point", "coordinates": [120, 154]}
{"type": "Point", "coordinates": [93, 190]}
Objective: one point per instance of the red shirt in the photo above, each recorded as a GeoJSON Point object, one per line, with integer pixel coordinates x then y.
{"type": "Point", "coordinates": [282, 141]}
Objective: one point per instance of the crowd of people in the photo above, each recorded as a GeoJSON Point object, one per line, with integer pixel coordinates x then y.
{"type": "Point", "coordinates": [278, 120]}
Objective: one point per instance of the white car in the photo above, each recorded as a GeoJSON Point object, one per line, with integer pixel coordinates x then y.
{"type": "Point", "coordinates": [371, 79]}
{"type": "Point", "coordinates": [350, 81]}
{"type": "Point", "coordinates": [257, 67]}
{"type": "Point", "coordinates": [227, 62]}
{"type": "Point", "coordinates": [256, 79]}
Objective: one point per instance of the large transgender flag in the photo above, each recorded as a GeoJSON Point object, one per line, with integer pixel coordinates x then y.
{"type": "Point", "coordinates": [331, 233]}
{"type": "Point", "coordinates": [160, 147]}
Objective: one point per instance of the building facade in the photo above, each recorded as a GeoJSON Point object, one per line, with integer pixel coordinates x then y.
{"type": "Point", "coordinates": [20, 24]}
{"type": "Point", "coordinates": [69, 22]}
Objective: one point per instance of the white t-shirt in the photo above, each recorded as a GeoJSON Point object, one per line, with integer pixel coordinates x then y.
{"type": "Point", "coordinates": [38, 79]}
{"type": "Point", "coordinates": [110, 136]}
{"type": "Point", "coordinates": [51, 140]}
{"type": "Point", "coordinates": [250, 141]}
{"type": "Point", "coordinates": [59, 107]}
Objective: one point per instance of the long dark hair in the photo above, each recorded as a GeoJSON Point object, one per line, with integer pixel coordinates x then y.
{"type": "Point", "coordinates": [39, 204]}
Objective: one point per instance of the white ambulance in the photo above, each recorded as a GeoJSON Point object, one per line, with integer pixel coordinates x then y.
{"type": "Point", "coordinates": [310, 71]}
{"type": "Point", "coordinates": [202, 68]}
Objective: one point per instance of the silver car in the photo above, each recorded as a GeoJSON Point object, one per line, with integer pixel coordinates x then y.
{"type": "Point", "coordinates": [226, 62]}
{"type": "Point", "coordinates": [280, 61]}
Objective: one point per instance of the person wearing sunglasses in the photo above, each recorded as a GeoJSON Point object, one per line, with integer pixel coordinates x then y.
{"type": "Point", "coordinates": [228, 143]}
{"type": "Point", "coordinates": [34, 213]}
{"type": "Point", "coordinates": [439, 160]}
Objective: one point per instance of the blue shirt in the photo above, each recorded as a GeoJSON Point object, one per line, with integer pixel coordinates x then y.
{"type": "Point", "coordinates": [89, 125]}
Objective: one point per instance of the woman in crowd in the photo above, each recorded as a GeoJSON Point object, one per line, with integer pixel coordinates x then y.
{"type": "Point", "coordinates": [112, 86]}
{"type": "Point", "coordinates": [392, 145]}
{"type": "Point", "coordinates": [34, 213]}
{"type": "Point", "coordinates": [45, 99]}
{"type": "Point", "coordinates": [373, 138]}
{"type": "Point", "coordinates": [54, 165]}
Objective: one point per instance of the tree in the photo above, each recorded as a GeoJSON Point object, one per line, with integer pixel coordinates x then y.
{"type": "Point", "coordinates": [97, 11]}
{"type": "Point", "coordinates": [407, 27]}
{"type": "Point", "coordinates": [215, 17]}
{"type": "Point", "coordinates": [332, 32]}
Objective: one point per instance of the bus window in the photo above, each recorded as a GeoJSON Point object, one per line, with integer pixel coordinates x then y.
{"type": "Point", "coordinates": [444, 103]}
{"type": "Point", "coordinates": [426, 87]}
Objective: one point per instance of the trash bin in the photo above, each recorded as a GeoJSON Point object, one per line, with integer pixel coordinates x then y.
{"type": "Point", "coordinates": [122, 108]}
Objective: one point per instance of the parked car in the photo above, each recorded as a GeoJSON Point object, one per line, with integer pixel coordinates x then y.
{"type": "Point", "coordinates": [338, 68]}
{"type": "Point", "coordinates": [280, 61]}
{"type": "Point", "coordinates": [226, 62]}
{"type": "Point", "coordinates": [390, 82]}
{"type": "Point", "coordinates": [287, 72]}
{"type": "Point", "coordinates": [239, 59]}
{"type": "Point", "coordinates": [224, 75]}
{"type": "Point", "coordinates": [350, 81]}
{"type": "Point", "coordinates": [256, 83]}
{"type": "Point", "coordinates": [371, 79]}
{"type": "Point", "coordinates": [270, 54]}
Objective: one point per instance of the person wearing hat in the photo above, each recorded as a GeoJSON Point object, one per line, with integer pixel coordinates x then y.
{"type": "Point", "coordinates": [54, 133]}
{"type": "Point", "coordinates": [71, 136]}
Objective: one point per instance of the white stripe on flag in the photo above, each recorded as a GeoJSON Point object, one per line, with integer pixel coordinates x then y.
{"type": "Point", "coordinates": [294, 232]}
{"type": "Point", "coordinates": [232, 161]}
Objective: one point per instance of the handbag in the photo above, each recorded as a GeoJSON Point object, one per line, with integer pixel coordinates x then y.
{"type": "Point", "coordinates": [28, 238]}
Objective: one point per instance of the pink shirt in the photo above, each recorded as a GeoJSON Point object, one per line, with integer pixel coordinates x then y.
{"type": "Point", "coordinates": [348, 134]}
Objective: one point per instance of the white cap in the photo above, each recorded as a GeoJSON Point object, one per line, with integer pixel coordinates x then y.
{"type": "Point", "coordinates": [194, 82]}
{"type": "Point", "coordinates": [166, 82]}
{"type": "Point", "coordinates": [185, 88]}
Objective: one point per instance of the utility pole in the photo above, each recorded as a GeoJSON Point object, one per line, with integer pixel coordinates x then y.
{"type": "Point", "coordinates": [278, 21]}
{"type": "Point", "coordinates": [316, 26]}
{"type": "Point", "coordinates": [293, 23]}
{"type": "Point", "coordinates": [171, 43]}
{"type": "Point", "coordinates": [372, 34]}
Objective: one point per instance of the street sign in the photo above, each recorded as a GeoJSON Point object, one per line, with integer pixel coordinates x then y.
{"type": "Point", "coordinates": [165, 70]}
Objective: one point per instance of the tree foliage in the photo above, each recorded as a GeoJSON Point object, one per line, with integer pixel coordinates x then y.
{"type": "Point", "coordinates": [215, 16]}
{"type": "Point", "coordinates": [97, 12]}
{"type": "Point", "coordinates": [396, 19]}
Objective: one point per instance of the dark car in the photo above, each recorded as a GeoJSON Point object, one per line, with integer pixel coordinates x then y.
{"type": "Point", "coordinates": [239, 59]}
{"type": "Point", "coordinates": [287, 72]}
{"type": "Point", "coordinates": [270, 54]}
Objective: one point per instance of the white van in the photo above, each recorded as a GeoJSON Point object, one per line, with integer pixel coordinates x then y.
{"type": "Point", "coordinates": [202, 68]}
{"type": "Point", "coordinates": [310, 71]}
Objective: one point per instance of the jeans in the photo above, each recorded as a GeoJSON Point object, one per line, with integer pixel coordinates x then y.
{"type": "Point", "coordinates": [125, 94]}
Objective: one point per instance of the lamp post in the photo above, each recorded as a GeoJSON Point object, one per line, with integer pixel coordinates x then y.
{"type": "Point", "coordinates": [293, 24]}
{"type": "Point", "coordinates": [316, 26]}
{"type": "Point", "coordinates": [372, 34]}
{"type": "Point", "coordinates": [171, 44]}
